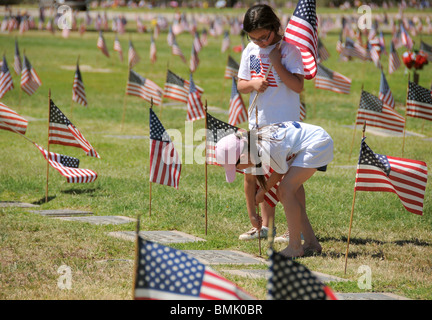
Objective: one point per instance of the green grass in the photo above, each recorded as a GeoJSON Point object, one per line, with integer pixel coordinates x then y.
{"type": "Point", "coordinates": [394, 243]}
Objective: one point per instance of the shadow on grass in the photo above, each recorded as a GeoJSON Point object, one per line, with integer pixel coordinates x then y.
{"type": "Point", "coordinates": [359, 241]}
{"type": "Point", "coordinates": [74, 191]}
{"type": "Point", "coordinates": [42, 201]}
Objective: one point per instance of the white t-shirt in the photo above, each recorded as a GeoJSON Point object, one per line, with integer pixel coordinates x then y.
{"type": "Point", "coordinates": [294, 144]}
{"type": "Point", "coordinates": [278, 103]}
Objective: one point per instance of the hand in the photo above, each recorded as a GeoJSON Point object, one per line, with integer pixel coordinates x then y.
{"type": "Point", "coordinates": [259, 196]}
{"type": "Point", "coordinates": [256, 221]}
{"type": "Point", "coordinates": [260, 85]}
{"type": "Point", "coordinates": [275, 55]}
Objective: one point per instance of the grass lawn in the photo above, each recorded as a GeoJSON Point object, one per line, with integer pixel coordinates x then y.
{"type": "Point", "coordinates": [394, 243]}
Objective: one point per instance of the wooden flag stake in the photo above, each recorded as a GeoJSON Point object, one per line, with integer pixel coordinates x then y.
{"type": "Point", "coordinates": [150, 187]}
{"type": "Point", "coordinates": [49, 116]}
{"type": "Point", "coordinates": [406, 109]}
{"type": "Point", "coordinates": [206, 187]}
{"type": "Point", "coordinates": [136, 256]}
{"type": "Point", "coordinates": [352, 214]}
{"type": "Point", "coordinates": [124, 101]}
{"type": "Point", "coordinates": [258, 211]}
{"type": "Point", "coordinates": [355, 128]}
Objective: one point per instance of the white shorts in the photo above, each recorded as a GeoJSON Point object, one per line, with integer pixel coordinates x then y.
{"type": "Point", "coordinates": [316, 155]}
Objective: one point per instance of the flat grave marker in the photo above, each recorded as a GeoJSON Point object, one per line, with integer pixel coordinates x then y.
{"type": "Point", "coordinates": [162, 237]}
{"type": "Point", "coordinates": [60, 212]}
{"type": "Point", "coordinates": [17, 204]}
{"type": "Point", "coordinates": [214, 257]}
{"type": "Point", "coordinates": [99, 220]}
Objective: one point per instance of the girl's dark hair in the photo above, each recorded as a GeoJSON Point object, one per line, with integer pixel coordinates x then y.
{"type": "Point", "coordinates": [261, 16]}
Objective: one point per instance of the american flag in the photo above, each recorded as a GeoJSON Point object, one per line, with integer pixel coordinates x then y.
{"type": "Point", "coordinates": [385, 93]}
{"type": "Point", "coordinates": [204, 38]}
{"type": "Point", "coordinates": [331, 80]}
{"type": "Point", "coordinates": [426, 48]}
{"type": "Point", "coordinates": [194, 60]}
{"type": "Point", "coordinates": [382, 43]}
{"type": "Point", "coordinates": [195, 108]}
{"type": "Point", "coordinates": [419, 102]}
{"type": "Point", "coordinates": [323, 54]}
{"type": "Point", "coordinates": [354, 49]}
{"type": "Point", "coordinates": [405, 177]}
{"type": "Point", "coordinates": [6, 82]}
{"type": "Point", "coordinates": [133, 57]}
{"type": "Point", "coordinates": [394, 61]}
{"type": "Point", "coordinates": [68, 167]}
{"type": "Point", "coordinates": [302, 31]}
{"type": "Point", "coordinates": [197, 42]}
{"type": "Point", "coordinates": [165, 164]}
{"type": "Point", "coordinates": [118, 48]}
{"type": "Point", "coordinates": [102, 45]}
{"type": "Point", "coordinates": [153, 52]}
{"type": "Point", "coordinates": [63, 132]}
{"type": "Point", "coordinates": [374, 54]}
{"type": "Point", "coordinates": [231, 69]}
{"type": "Point", "coordinates": [144, 88]}
{"type": "Point", "coordinates": [376, 114]}
{"type": "Point", "coordinates": [177, 88]}
{"type": "Point", "coordinates": [17, 60]}
{"type": "Point", "coordinates": [30, 81]}
{"type": "Point", "coordinates": [237, 109]}
{"type": "Point", "coordinates": [259, 70]}
{"type": "Point", "coordinates": [406, 38]}
{"type": "Point", "coordinates": [177, 51]}
{"type": "Point", "coordinates": [225, 42]}
{"type": "Point", "coordinates": [165, 273]}
{"type": "Point", "coordinates": [12, 121]}
{"type": "Point", "coordinates": [289, 280]}
{"type": "Point", "coordinates": [78, 92]}
{"type": "Point", "coordinates": [170, 37]}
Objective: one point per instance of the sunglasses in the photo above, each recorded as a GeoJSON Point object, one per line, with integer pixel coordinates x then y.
{"type": "Point", "coordinates": [260, 40]}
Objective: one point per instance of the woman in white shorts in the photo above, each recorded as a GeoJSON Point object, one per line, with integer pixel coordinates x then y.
{"type": "Point", "coordinates": [295, 151]}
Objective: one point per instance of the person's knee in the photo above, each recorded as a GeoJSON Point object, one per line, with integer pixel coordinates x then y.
{"type": "Point", "coordinates": [285, 192]}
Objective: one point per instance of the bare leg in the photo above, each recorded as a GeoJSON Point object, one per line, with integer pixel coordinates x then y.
{"type": "Point", "coordinates": [268, 212]}
{"type": "Point", "coordinates": [292, 202]}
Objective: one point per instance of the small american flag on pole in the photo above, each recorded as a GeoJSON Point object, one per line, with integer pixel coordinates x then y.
{"type": "Point", "coordinates": [225, 42]}
{"type": "Point", "coordinates": [323, 53]}
{"type": "Point", "coordinates": [165, 164]}
{"type": "Point", "coordinates": [394, 61]}
{"type": "Point", "coordinates": [302, 31]}
{"type": "Point", "coordinates": [12, 121]}
{"type": "Point", "coordinates": [165, 273]}
{"type": "Point", "coordinates": [78, 91]}
{"type": "Point", "coordinates": [426, 48]}
{"type": "Point", "coordinates": [385, 93]}
{"type": "Point", "coordinates": [177, 88]}
{"type": "Point", "coordinates": [118, 48]}
{"type": "Point", "coordinates": [6, 82]}
{"type": "Point", "coordinates": [102, 45]}
{"type": "Point", "coordinates": [63, 132]}
{"type": "Point", "coordinates": [17, 59]}
{"type": "Point", "coordinates": [133, 57]}
{"type": "Point", "coordinates": [177, 51]}
{"type": "Point", "coordinates": [231, 69]}
{"type": "Point", "coordinates": [30, 81]}
{"type": "Point", "coordinates": [376, 114]}
{"type": "Point", "coordinates": [405, 177]}
{"type": "Point", "coordinates": [406, 38]}
{"type": "Point", "coordinates": [419, 102]}
{"type": "Point", "coordinates": [237, 109]}
{"type": "Point", "coordinates": [194, 60]}
{"type": "Point", "coordinates": [153, 51]}
{"type": "Point", "coordinates": [195, 108]}
{"type": "Point", "coordinates": [144, 88]}
{"type": "Point", "coordinates": [327, 79]}
{"type": "Point", "coordinates": [68, 167]}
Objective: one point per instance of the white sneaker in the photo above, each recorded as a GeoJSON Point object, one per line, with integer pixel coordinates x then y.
{"type": "Point", "coordinates": [285, 237]}
{"type": "Point", "coordinates": [253, 234]}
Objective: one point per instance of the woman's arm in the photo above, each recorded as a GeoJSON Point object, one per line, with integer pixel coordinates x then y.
{"type": "Point", "coordinates": [293, 81]}
{"type": "Point", "coordinates": [247, 86]}
{"type": "Point", "coordinates": [250, 192]}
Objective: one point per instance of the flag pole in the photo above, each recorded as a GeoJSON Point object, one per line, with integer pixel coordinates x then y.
{"type": "Point", "coordinates": [206, 186]}
{"type": "Point", "coordinates": [352, 214]}
{"type": "Point", "coordinates": [124, 100]}
{"type": "Point", "coordinates": [47, 172]}
{"type": "Point", "coordinates": [406, 109]}
{"type": "Point", "coordinates": [258, 206]}
{"type": "Point", "coordinates": [136, 256]}
{"type": "Point", "coordinates": [355, 129]}
{"type": "Point", "coordinates": [150, 186]}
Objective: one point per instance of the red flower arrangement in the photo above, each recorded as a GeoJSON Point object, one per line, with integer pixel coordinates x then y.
{"type": "Point", "coordinates": [416, 60]}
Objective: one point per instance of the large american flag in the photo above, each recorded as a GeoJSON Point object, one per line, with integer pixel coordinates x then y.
{"type": "Point", "coordinates": [17, 60]}
{"type": "Point", "coordinates": [12, 121]}
{"type": "Point", "coordinates": [419, 102]}
{"type": "Point", "coordinates": [372, 111]}
{"type": "Point", "coordinates": [302, 31]}
{"type": "Point", "coordinates": [102, 45]}
{"type": "Point", "coordinates": [237, 109]}
{"type": "Point", "coordinates": [78, 91]}
{"type": "Point", "coordinates": [195, 108]}
{"type": "Point", "coordinates": [331, 80]}
{"type": "Point", "coordinates": [231, 69]}
{"type": "Point", "coordinates": [6, 82]}
{"type": "Point", "coordinates": [63, 132]}
{"type": "Point", "coordinates": [30, 81]}
{"type": "Point", "coordinates": [394, 61]}
{"type": "Point", "coordinates": [165, 164]}
{"type": "Point", "coordinates": [133, 57]}
{"type": "Point", "coordinates": [165, 273]}
{"type": "Point", "coordinates": [144, 88]}
{"type": "Point", "coordinates": [385, 93]}
{"type": "Point", "coordinates": [118, 48]}
{"type": "Point", "coordinates": [290, 280]}
{"type": "Point", "coordinates": [405, 177]}
{"type": "Point", "coordinates": [68, 167]}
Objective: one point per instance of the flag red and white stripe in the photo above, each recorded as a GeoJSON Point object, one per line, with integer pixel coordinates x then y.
{"type": "Point", "coordinates": [302, 31]}
{"type": "Point", "coordinates": [118, 48]}
{"type": "Point", "coordinates": [6, 82]}
{"type": "Point", "coordinates": [102, 45]}
{"type": "Point", "coordinates": [133, 57]}
{"type": "Point", "coordinates": [237, 109]}
{"type": "Point", "coordinates": [12, 121]}
{"type": "Point", "coordinates": [143, 88]}
{"type": "Point", "coordinates": [419, 102]}
{"type": "Point", "coordinates": [30, 81]}
{"type": "Point", "coordinates": [78, 91]}
{"type": "Point", "coordinates": [195, 108]}
{"type": "Point", "coordinates": [327, 79]}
